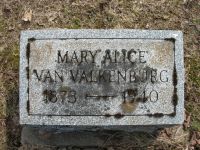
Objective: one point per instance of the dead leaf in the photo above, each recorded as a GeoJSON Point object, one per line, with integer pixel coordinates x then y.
{"type": "Point", "coordinates": [198, 27]}
{"type": "Point", "coordinates": [11, 28]}
{"type": "Point", "coordinates": [198, 141]}
{"type": "Point", "coordinates": [198, 135]}
{"type": "Point", "coordinates": [195, 139]}
{"type": "Point", "coordinates": [27, 15]}
{"type": "Point", "coordinates": [110, 148]}
{"type": "Point", "coordinates": [168, 132]}
{"type": "Point", "coordinates": [193, 142]}
{"type": "Point", "coordinates": [52, 16]}
{"type": "Point", "coordinates": [165, 17]}
{"type": "Point", "coordinates": [187, 121]}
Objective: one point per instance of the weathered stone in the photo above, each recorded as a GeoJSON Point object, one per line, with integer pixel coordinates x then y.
{"type": "Point", "coordinates": [101, 77]}
{"type": "Point", "coordinates": [83, 138]}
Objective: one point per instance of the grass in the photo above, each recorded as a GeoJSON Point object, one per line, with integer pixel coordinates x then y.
{"type": "Point", "coordinates": [2, 135]}
{"type": "Point", "coordinates": [194, 71]}
{"type": "Point", "coordinates": [193, 103]}
{"type": "Point", "coordinates": [9, 60]}
{"type": "Point", "coordinates": [2, 25]}
{"type": "Point", "coordinates": [194, 110]}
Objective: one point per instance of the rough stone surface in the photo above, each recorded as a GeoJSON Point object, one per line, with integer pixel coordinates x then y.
{"type": "Point", "coordinates": [82, 138]}
{"type": "Point", "coordinates": [101, 77]}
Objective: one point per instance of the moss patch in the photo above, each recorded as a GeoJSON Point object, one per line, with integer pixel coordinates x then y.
{"type": "Point", "coordinates": [194, 70]}
{"type": "Point", "coordinates": [2, 24]}
{"type": "Point", "coordinates": [9, 59]}
{"type": "Point", "coordinates": [193, 102]}
{"type": "Point", "coordinates": [194, 108]}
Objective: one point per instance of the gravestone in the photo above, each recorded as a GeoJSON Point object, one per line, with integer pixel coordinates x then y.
{"type": "Point", "coordinates": [101, 77]}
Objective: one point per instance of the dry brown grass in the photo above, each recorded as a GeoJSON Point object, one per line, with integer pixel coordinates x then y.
{"type": "Point", "coordinates": [138, 14]}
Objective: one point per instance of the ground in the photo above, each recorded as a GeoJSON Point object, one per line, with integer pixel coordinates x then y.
{"type": "Point", "coordinates": [17, 15]}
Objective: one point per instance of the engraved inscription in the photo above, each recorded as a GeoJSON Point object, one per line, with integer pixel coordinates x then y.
{"type": "Point", "coordinates": [101, 77]}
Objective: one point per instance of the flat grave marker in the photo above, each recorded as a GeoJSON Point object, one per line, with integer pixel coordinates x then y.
{"type": "Point", "coordinates": [101, 77]}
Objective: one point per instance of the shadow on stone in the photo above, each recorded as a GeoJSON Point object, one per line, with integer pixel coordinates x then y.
{"type": "Point", "coordinates": [69, 137]}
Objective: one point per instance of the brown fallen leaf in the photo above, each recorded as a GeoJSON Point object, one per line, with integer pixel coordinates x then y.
{"type": "Point", "coordinates": [187, 121]}
{"type": "Point", "coordinates": [52, 16]}
{"type": "Point", "coordinates": [195, 139]}
{"type": "Point", "coordinates": [11, 28]}
{"type": "Point", "coordinates": [27, 15]}
{"type": "Point", "coordinates": [110, 148]}
{"type": "Point", "coordinates": [198, 141]}
{"type": "Point", "coordinates": [193, 142]}
{"type": "Point", "coordinates": [198, 27]}
{"type": "Point", "coordinates": [168, 132]}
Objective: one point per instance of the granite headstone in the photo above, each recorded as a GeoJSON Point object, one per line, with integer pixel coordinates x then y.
{"type": "Point", "coordinates": [101, 77]}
